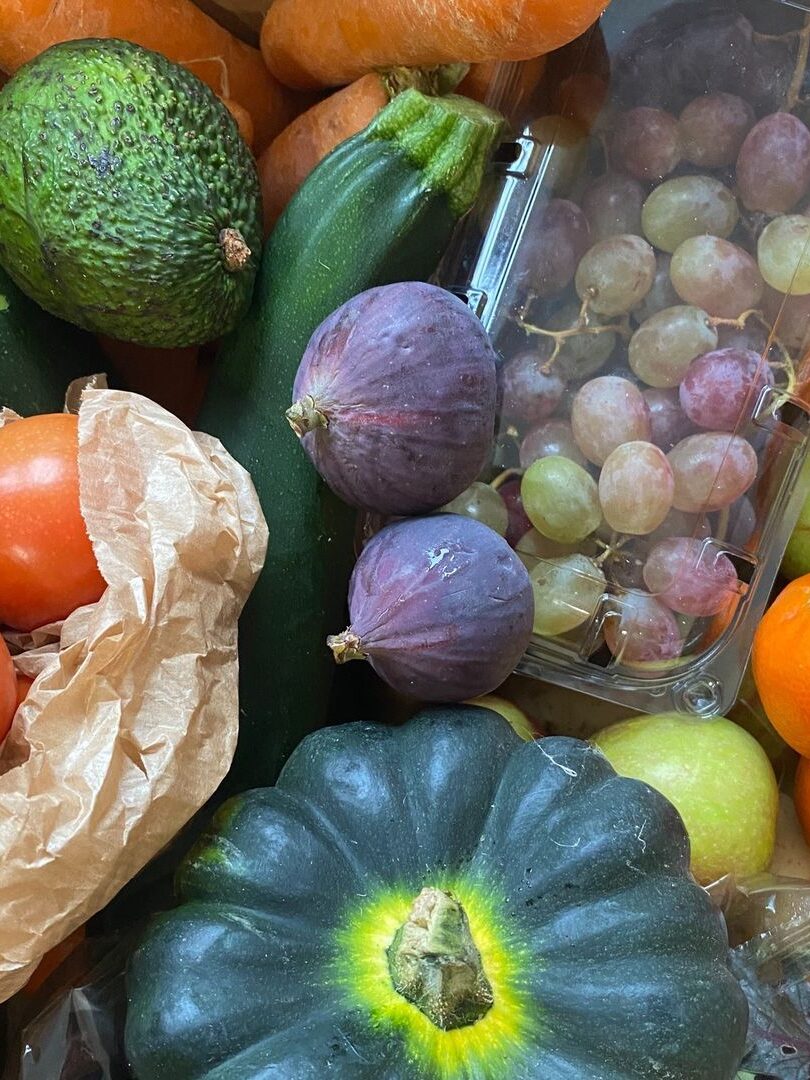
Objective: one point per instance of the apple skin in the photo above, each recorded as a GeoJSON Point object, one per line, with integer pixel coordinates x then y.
{"type": "Point", "coordinates": [717, 777]}
{"type": "Point", "coordinates": [520, 722]}
{"type": "Point", "coordinates": [796, 562]}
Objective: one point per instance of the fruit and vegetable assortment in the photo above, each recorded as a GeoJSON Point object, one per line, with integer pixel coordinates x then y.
{"type": "Point", "coordinates": [467, 893]}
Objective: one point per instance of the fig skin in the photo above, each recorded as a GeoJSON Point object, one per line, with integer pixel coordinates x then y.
{"type": "Point", "coordinates": [440, 606]}
{"type": "Point", "coordinates": [395, 397]}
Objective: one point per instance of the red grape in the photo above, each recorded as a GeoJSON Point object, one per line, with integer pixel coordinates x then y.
{"type": "Point", "coordinates": [668, 421]}
{"type": "Point", "coordinates": [528, 393]}
{"type": "Point", "coordinates": [773, 167]}
{"type": "Point", "coordinates": [711, 470]}
{"type": "Point", "coordinates": [646, 143]}
{"type": "Point", "coordinates": [720, 389]}
{"type": "Point", "coordinates": [552, 438]}
{"type": "Point", "coordinates": [612, 204]}
{"type": "Point", "coordinates": [548, 257]}
{"type": "Point", "coordinates": [643, 630]}
{"type": "Point", "coordinates": [689, 577]}
{"type": "Point", "coordinates": [713, 128]}
{"type": "Point", "coordinates": [607, 412]}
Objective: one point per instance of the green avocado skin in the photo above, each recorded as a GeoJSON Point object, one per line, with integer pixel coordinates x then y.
{"type": "Point", "coordinates": [118, 171]}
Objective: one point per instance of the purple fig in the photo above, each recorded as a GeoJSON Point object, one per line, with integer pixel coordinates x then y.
{"type": "Point", "coordinates": [394, 400]}
{"type": "Point", "coordinates": [440, 606]}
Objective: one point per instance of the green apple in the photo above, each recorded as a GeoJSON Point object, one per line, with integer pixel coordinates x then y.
{"type": "Point", "coordinates": [717, 777]}
{"type": "Point", "coordinates": [520, 722]}
{"type": "Point", "coordinates": [796, 562]}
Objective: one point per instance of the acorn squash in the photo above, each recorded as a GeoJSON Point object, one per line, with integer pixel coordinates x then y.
{"type": "Point", "coordinates": [438, 901]}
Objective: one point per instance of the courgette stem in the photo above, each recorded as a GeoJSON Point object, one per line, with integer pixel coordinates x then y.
{"type": "Point", "coordinates": [450, 139]}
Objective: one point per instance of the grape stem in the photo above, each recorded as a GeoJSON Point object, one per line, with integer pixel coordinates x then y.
{"type": "Point", "coordinates": [785, 364]}
{"type": "Point", "coordinates": [501, 478]}
{"type": "Point", "coordinates": [793, 96]}
{"type": "Point", "coordinates": [612, 548]}
{"type": "Point", "coordinates": [581, 326]}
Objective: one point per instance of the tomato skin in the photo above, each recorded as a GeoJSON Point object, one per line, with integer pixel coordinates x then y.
{"type": "Point", "coordinates": [8, 690]}
{"type": "Point", "coordinates": [47, 565]}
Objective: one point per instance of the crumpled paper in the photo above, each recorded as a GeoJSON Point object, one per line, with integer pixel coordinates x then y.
{"type": "Point", "coordinates": [132, 721]}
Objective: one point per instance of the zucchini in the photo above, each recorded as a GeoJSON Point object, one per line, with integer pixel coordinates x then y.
{"type": "Point", "coordinates": [39, 354]}
{"type": "Point", "coordinates": [381, 208]}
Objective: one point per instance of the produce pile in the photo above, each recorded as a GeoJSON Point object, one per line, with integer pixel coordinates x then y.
{"type": "Point", "coordinates": [495, 319]}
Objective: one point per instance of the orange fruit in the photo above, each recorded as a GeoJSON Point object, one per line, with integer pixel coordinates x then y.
{"type": "Point", "coordinates": [781, 664]}
{"type": "Point", "coordinates": [801, 796]}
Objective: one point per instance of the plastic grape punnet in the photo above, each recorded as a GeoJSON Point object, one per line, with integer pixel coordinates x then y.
{"type": "Point", "coordinates": [658, 98]}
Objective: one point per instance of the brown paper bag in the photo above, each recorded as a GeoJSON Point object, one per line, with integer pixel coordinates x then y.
{"type": "Point", "coordinates": [132, 721]}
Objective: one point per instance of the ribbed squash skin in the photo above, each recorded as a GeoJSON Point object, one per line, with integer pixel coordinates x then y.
{"type": "Point", "coordinates": [607, 962]}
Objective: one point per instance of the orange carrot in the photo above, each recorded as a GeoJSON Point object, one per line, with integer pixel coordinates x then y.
{"type": "Point", "coordinates": [177, 28]}
{"type": "Point", "coordinates": [52, 960]}
{"type": "Point", "coordinates": [505, 86]}
{"type": "Point", "coordinates": [244, 121]}
{"type": "Point", "coordinates": [293, 154]}
{"type": "Point", "coordinates": [167, 376]}
{"type": "Point", "coordinates": [310, 43]}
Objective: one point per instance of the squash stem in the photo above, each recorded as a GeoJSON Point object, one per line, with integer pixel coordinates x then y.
{"type": "Point", "coordinates": [434, 963]}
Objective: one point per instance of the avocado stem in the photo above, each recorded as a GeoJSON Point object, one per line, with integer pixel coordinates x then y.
{"type": "Point", "coordinates": [235, 252]}
{"type": "Point", "coordinates": [304, 416]}
{"type": "Point", "coordinates": [434, 963]}
{"type": "Point", "coordinates": [346, 646]}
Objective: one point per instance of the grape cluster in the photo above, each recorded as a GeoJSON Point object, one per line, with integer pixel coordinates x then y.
{"type": "Point", "coordinates": [648, 288]}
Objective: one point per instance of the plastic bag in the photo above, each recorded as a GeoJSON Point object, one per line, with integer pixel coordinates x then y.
{"type": "Point", "coordinates": [769, 923]}
{"type": "Point", "coordinates": [131, 723]}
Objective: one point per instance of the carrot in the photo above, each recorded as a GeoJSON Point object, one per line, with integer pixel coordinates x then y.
{"type": "Point", "coordinates": [310, 43]}
{"type": "Point", "coordinates": [504, 86]}
{"type": "Point", "coordinates": [52, 960]}
{"type": "Point", "coordinates": [244, 121]}
{"type": "Point", "coordinates": [177, 28]}
{"type": "Point", "coordinates": [167, 376]}
{"type": "Point", "coordinates": [293, 154]}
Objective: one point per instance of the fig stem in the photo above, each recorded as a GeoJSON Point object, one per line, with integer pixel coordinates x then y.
{"type": "Point", "coordinates": [235, 252]}
{"type": "Point", "coordinates": [304, 416]}
{"type": "Point", "coordinates": [346, 647]}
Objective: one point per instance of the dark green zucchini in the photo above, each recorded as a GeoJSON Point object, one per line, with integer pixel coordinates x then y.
{"type": "Point", "coordinates": [380, 208]}
{"type": "Point", "coordinates": [39, 354]}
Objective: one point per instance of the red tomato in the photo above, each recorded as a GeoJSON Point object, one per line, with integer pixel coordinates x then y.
{"type": "Point", "coordinates": [47, 565]}
{"type": "Point", "coordinates": [8, 690]}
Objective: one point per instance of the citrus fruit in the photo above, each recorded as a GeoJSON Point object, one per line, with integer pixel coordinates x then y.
{"type": "Point", "coordinates": [781, 664]}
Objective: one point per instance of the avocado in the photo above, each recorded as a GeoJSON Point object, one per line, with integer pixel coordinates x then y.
{"type": "Point", "coordinates": [129, 203]}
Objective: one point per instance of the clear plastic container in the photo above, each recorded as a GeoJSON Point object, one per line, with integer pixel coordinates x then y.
{"type": "Point", "coordinates": [670, 545]}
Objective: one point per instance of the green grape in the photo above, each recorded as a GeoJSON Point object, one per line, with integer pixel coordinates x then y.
{"type": "Point", "coordinates": [481, 503]}
{"type": "Point", "coordinates": [616, 274]}
{"type": "Point", "coordinates": [717, 276]}
{"type": "Point", "coordinates": [664, 346]}
{"type": "Point", "coordinates": [784, 254]}
{"type": "Point", "coordinates": [567, 592]}
{"type": "Point", "coordinates": [688, 206]}
{"type": "Point", "coordinates": [561, 499]}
